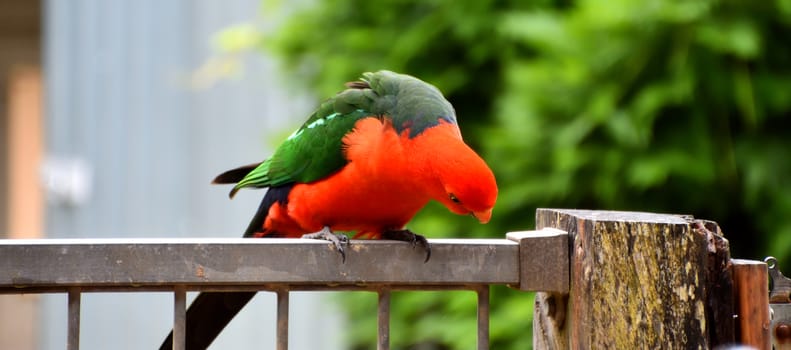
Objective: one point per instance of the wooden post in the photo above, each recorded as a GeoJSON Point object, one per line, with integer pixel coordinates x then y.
{"type": "Point", "coordinates": [751, 289]}
{"type": "Point", "coordinates": [637, 281]}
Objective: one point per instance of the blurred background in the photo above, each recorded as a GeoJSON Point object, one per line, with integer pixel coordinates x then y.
{"type": "Point", "coordinates": [115, 116]}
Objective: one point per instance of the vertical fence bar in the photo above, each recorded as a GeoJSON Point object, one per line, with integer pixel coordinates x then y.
{"type": "Point", "coordinates": [483, 317]}
{"type": "Point", "coordinates": [179, 317]}
{"type": "Point", "coordinates": [282, 319]}
{"type": "Point", "coordinates": [73, 341]}
{"type": "Point", "coordinates": [383, 316]}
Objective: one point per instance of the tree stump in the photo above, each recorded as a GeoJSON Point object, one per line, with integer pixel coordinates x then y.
{"type": "Point", "coordinates": [637, 281]}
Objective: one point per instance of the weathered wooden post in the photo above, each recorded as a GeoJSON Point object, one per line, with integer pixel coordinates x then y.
{"type": "Point", "coordinates": [751, 300]}
{"type": "Point", "coordinates": [637, 281]}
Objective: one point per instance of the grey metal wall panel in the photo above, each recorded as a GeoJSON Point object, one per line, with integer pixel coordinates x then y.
{"type": "Point", "coordinates": [118, 99]}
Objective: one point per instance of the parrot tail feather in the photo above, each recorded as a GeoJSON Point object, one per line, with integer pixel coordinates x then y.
{"type": "Point", "coordinates": [208, 315]}
{"type": "Point", "coordinates": [234, 175]}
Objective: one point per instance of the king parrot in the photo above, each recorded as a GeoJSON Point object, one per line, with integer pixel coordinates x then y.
{"type": "Point", "coordinates": [366, 161]}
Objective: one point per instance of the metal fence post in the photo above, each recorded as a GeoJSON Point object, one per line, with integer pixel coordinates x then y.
{"type": "Point", "coordinates": [483, 317]}
{"type": "Point", "coordinates": [73, 338]}
{"type": "Point", "coordinates": [383, 316]}
{"type": "Point", "coordinates": [179, 317]}
{"type": "Point", "coordinates": [282, 319]}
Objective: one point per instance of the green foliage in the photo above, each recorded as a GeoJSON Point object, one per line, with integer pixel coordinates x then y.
{"type": "Point", "coordinates": [660, 105]}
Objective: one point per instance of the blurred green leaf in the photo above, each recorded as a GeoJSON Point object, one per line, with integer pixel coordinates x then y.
{"type": "Point", "coordinates": [239, 38]}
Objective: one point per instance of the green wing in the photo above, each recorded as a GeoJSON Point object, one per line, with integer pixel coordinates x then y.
{"type": "Point", "coordinates": [312, 152]}
{"type": "Point", "coordinates": [315, 150]}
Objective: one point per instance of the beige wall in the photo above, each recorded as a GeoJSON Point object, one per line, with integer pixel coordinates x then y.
{"type": "Point", "coordinates": [24, 152]}
{"type": "Point", "coordinates": [20, 57]}
{"type": "Point", "coordinates": [21, 148]}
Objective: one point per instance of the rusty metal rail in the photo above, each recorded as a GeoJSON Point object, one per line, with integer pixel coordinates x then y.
{"type": "Point", "coordinates": [529, 260]}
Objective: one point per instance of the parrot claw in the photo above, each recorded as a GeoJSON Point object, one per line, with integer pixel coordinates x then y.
{"type": "Point", "coordinates": [338, 240]}
{"type": "Point", "coordinates": [409, 237]}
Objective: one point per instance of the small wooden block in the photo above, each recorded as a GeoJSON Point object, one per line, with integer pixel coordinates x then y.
{"type": "Point", "coordinates": [543, 260]}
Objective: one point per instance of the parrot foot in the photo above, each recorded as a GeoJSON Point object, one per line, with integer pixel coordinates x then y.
{"type": "Point", "coordinates": [326, 234]}
{"type": "Point", "coordinates": [409, 237]}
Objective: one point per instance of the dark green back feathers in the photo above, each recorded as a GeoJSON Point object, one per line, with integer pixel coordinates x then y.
{"type": "Point", "coordinates": [315, 151]}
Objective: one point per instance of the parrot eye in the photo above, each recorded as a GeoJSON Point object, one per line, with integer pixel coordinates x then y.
{"type": "Point", "coordinates": [454, 199]}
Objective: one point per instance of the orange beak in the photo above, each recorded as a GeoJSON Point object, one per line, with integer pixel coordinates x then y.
{"type": "Point", "coordinates": [483, 216]}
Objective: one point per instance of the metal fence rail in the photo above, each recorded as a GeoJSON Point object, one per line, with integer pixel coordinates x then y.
{"type": "Point", "coordinates": [530, 260]}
